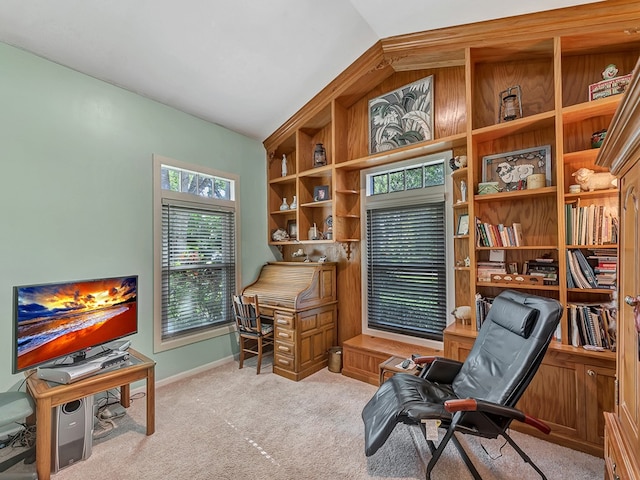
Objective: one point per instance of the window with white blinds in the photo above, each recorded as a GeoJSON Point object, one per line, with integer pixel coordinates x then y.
{"type": "Point", "coordinates": [198, 269]}
{"type": "Point", "coordinates": [406, 269]}
{"type": "Point", "coordinates": [405, 248]}
{"type": "Point", "coordinates": [196, 248]}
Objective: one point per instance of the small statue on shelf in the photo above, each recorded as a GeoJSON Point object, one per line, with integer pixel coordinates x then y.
{"type": "Point", "coordinates": [459, 161]}
{"type": "Point", "coordinates": [284, 165]}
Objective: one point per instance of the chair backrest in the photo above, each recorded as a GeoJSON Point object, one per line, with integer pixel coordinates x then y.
{"type": "Point", "coordinates": [247, 313]}
{"type": "Point", "coordinates": [509, 348]}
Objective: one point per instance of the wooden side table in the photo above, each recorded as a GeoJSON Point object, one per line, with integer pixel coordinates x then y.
{"type": "Point", "coordinates": [392, 366]}
{"type": "Point", "coordinates": [48, 395]}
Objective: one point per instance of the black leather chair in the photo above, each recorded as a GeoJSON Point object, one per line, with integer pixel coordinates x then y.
{"type": "Point", "coordinates": [477, 397]}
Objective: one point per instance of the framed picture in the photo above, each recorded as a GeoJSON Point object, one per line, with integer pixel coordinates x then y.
{"type": "Point", "coordinates": [401, 117]}
{"type": "Point", "coordinates": [292, 229]}
{"type": "Point", "coordinates": [511, 169]}
{"type": "Point", "coordinates": [463, 224]}
{"type": "Point", "coordinates": [321, 193]}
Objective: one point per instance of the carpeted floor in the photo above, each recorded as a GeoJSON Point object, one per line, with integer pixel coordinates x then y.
{"type": "Point", "coordinates": [232, 424]}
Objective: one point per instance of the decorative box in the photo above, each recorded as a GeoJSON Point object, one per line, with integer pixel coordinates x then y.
{"type": "Point", "coordinates": [515, 278]}
{"type": "Point", "coordinates": [608, 87]}
{"type": "Point", "coordinates": [487, 188]}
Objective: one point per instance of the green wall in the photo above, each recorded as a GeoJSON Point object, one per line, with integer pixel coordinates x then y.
{"type": "Point", "coordinates": [76, 190]}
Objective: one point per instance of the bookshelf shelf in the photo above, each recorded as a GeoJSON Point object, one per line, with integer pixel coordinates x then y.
{"type": "Point", "coordinates": [519, 286]}
{"type": "Point", "coordinates": [522, 247]}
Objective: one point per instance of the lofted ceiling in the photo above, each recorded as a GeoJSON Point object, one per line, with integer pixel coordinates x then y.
{"type": "Point", "coordinates": [247, 65]}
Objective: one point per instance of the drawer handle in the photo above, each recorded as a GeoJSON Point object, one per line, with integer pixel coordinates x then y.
{"type": "Point", "coordinates": [284, 335]}
{"type": "Point", "coordinates": [591, 373]}
{"type": "Point", "coordinates": [283, 362]}
{"type": "Point", "coordinates": [283, 349]}
{"type": "Point", "coordinates": [282, 322]}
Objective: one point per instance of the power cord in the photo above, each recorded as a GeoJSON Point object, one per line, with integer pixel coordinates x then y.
{"type": "Point", "coordinates": [25, 438]}
{"type": "Point", "coordinates": [499, 451]}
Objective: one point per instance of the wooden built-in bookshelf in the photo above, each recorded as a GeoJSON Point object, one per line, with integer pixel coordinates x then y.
{"type": "Point", "coordinates": [553, 56]}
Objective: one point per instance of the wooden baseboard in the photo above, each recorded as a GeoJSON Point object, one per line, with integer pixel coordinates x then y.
{"type": "Point", "coordinates": [363, 354]}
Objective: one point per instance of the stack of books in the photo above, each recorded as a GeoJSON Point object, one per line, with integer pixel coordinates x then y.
{"type": "Point", "coordinates": [486, 269]}
{"type": "Point", "coordinates": [547, 268]}
{"type": "Point", "coordinates": [606, 267]}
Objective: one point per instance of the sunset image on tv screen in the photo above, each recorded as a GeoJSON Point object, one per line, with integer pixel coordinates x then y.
{"type": "Point", "coordinates": [55, 320]}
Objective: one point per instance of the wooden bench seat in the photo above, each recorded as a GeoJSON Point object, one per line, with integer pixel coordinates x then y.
{"type": "Point", "coordinates": [363, 354]}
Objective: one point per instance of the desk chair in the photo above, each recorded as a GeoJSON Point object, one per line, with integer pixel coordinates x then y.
{"type": "Point", "coordinates": [254, 335]}
{"type": "Point", "coordinates": [477, 397]}
{"type": "Point", "coordinates": [15, 407]}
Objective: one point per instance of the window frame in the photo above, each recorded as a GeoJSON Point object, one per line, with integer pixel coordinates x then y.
{"type": "Point", "coordinates": [159, 197]}
{"type": "Point", "coordinates": [408, 197]}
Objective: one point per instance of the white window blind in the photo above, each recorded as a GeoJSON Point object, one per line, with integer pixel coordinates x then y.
{"type": "Point", "coordinates": [198, 268]}
{"type": "Point", "coordinates": [406, 269]}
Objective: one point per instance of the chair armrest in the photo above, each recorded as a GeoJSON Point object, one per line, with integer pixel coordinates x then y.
{"type": "Point", "coordinates": [473, 405]}
{"type": "Point", "coordinates": [439, 369]}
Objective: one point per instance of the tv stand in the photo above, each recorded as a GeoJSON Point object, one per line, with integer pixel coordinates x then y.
{"type": "Point", "coordinates": [46, 396]}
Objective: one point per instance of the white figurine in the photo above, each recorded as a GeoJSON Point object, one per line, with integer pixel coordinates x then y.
{"type": "Point", "coordinates": [463, 191]}
{"type": "Point", "coordinates": [284, 165]}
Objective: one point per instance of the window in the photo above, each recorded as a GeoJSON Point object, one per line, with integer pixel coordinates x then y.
{"type": "Point", "coordinates": [195, 253]}
{"type": "Point", "coordinates": [405, 269]}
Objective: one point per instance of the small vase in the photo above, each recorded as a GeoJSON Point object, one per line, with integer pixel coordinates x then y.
{"type": "Point", "coordinates": [294, 204]}
{"type": "Point", "coordinates": [284, 205]}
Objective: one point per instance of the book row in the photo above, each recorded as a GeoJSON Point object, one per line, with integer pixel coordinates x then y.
{"type": "Point", "coordinates": [591, 224]}
{"type": "Point", "coordinates": [500, 235]}
{"type": "Point", "coordinates": [593, 325]}
{"type": "Point", "coordinates": [582, 274]}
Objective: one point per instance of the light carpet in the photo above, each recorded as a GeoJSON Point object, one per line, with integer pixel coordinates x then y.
{"type": "Point", "coordinates": [232, 424]}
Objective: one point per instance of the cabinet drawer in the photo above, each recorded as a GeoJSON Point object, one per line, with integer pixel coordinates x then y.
{"type": "Point", "coordinates": [285, 348]}
{"type": "Point", "coordinates": [614, 457]}
{"type": "Point", "coordinates": [283, 361]}
{"type": "Point", "coordinates": [285, 334]}
{"type": "Point", "coordinates": [284, 320]}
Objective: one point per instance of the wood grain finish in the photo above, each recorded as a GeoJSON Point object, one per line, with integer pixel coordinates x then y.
{"type": "Point", "coordinates": [621, 153]}
{"type": "Point", "coordinates": [48, 395]}
{"type": "Point", "coordinates": [302, 300]}
{"type": "Point", "coordinates": [554, 56]}
{"type": "Point", "coordinates": [363, 354]}
{"type": "Point", "coordinates": [570, 391]}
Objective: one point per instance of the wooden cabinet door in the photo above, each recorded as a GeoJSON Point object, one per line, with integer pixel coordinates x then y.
{"type": "Point", "coordinates": [628, 337]}
{"type": "Point", "coordinates": [599, 384]}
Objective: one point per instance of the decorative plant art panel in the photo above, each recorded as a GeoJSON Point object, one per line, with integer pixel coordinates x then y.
{"type": "Point", "coordinates": [401, 117]}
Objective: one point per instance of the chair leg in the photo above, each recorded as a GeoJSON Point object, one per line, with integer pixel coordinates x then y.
{"type": "Point", "coordinates": [259, 356]}
{"type": "Point", "coordinates": [465, 457]}
{"type": "Point", "coordinates": [449, 435]}
{"type": "Point", "coordinates": [241, 351]}
{"type": "Point", "coordinates": [523, 455]}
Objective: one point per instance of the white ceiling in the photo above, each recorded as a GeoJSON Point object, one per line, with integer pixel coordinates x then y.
{"type": "Point", "coordinates": [247, 65]}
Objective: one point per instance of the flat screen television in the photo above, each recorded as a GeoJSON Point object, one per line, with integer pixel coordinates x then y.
{"type": "Point", "coordinates": [63, 321]}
